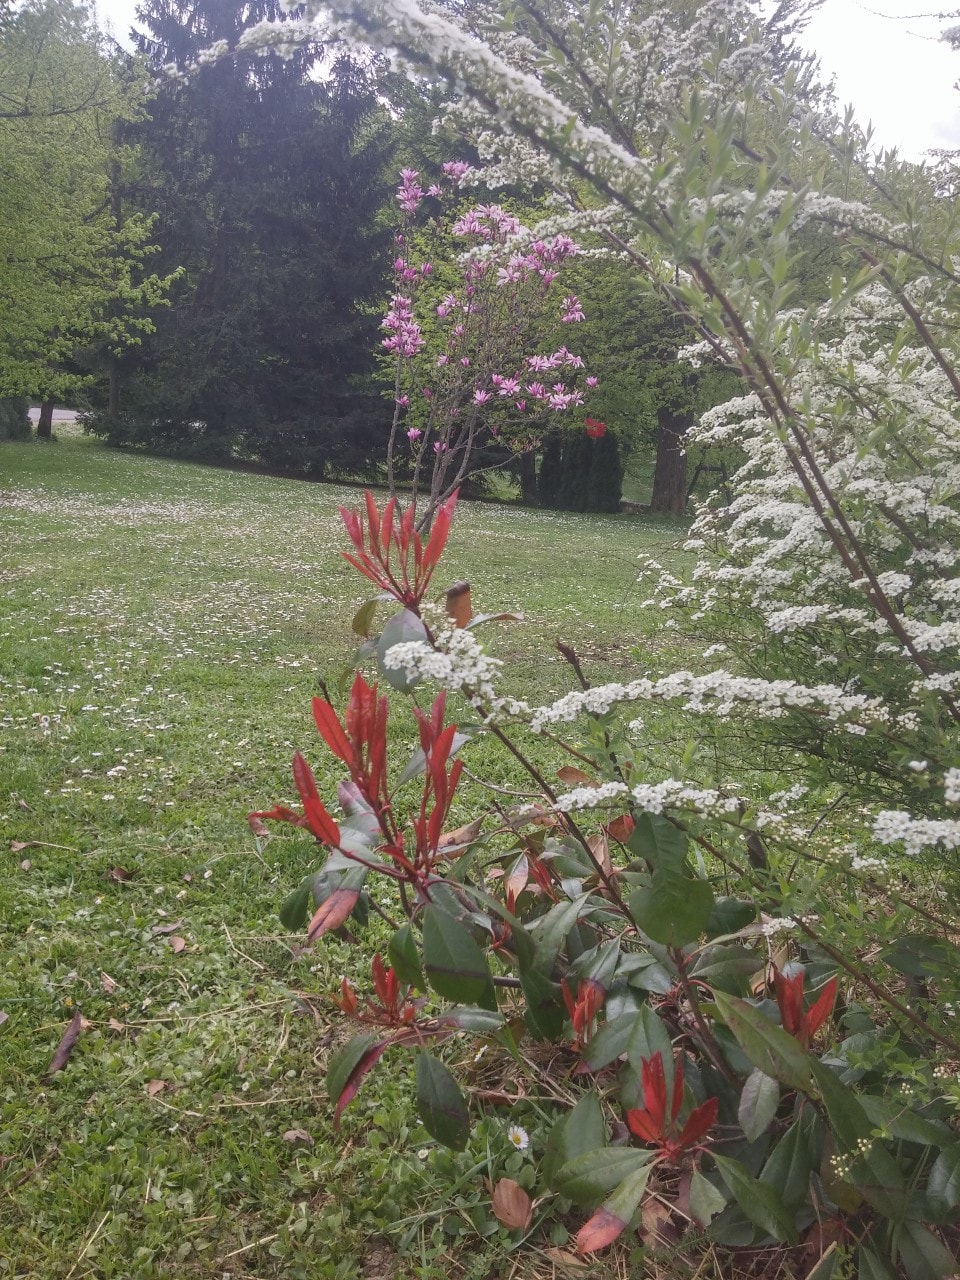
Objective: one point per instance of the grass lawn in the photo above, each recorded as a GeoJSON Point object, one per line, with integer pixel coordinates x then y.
{"type": "Point", "coordinates": [162, 628]}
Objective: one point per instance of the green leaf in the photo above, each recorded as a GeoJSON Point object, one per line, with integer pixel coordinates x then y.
{"type": "Point", "coordinates": [637, 1035]}
{"type": "Point", "coordinates": [922, 1255]}
{"type": "Point", "coordinates": [897, 1119]}
{"type": "Point", "coordinates": [545, 1013]}
{"type": "Point", "coordinates": [613, 1217]}
{"type": "Point", "coordinates": [293, 912]}
{"type": "Point", "coordinates": [826, 1267]}
{"type": "Point", "coordinates": [792, 1161]}
{"type": "Point", "coordinates": [548, 933]}
{"type": "Point", "coordinates": [706, 1201]}
{"type": "Point", "coordinates": [345, 1060]}
{"type": "Point", "coordinates": [943, 1184]}
{"type": "Point", "coordinates": [574, 1134]}
{"type": "Point", "coordinates": [441, 1104]}
{"type": "Point", "coordinates": [758, 1201]}
{"type": "Point", "coordinates": [470, 1018]}
{"type": "Point", "coordinates": [405, 957]}
{"type": "Point", "coordinates": [758, 1104]}
{"type": "Point", "coordinates": [871, 1267]}
{"type": "Point", "coordinates": [658, 841]}
{"type": "Point", "coordinates": [766, 1045]}
{"type": "Point", "coordinates": [418, 761]}
{"type": "Point", "coordinates": [402, 628]}
{"type": "Point", "coordinates": [729, 916]}
{"type": "Point", "coordinates": [453, 963]}
{"type": "Point", "coordinates": [363, 619]}
{"type": "Point", "coordinates": [673, 908]}
{"type": "Point", "coordinates": [589, 1177]}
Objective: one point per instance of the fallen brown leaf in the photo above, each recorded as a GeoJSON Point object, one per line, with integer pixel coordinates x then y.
{"type": "Point", "coordinates": [114, 1025]}
{"type": "Point", "coordinates": [18, 846]}
{"type": "Point", "coordinates": [109, 984]}
{"type": "Point", "coordinates": [26, 864]}
{"type": "Point", "coordinates": [459, 606]}
{"type": "Point", "coordinates": [178, 944]}
{"type": "Point", "coordinates": [298, 1135]}
{"type": "Point", "coordinates": [462, 835]}
{"type": "Point", "coordinates": [159, 929]}
{"type": "Point", "coordinates": [3, 1017]}
{"type": "Point", "coordinates": [119, 875]}
{"type": "Point", "coordinates": [64, 1049]}
{"type": "Point", "coordinates": [154, 1087]}
{"type": "Point", "coordinates": [574, 777]}
{"type": "Point", "coordinates": [511, 1205]}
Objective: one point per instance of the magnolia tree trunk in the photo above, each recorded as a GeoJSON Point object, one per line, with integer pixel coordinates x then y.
{"type": "Point", "coordinates": [669, 495]}
{"type": "Point", "coordinates": [45, 421]}
{"type": "Point", "coordinates": [527, 473]}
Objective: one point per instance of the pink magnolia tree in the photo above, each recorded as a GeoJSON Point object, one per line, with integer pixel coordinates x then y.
{"type": "Point", "coordinates": [470, 366]}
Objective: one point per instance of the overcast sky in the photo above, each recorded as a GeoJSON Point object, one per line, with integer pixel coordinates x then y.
{"type": "Point", "coordinates": [888, 63]}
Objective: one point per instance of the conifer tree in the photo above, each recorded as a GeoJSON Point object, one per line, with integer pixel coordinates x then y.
{"type": "Point", "coordinates": [268, 183]}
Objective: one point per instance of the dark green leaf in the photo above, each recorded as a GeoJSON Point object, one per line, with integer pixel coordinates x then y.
{"type": "Point", "coordinates": [345, 1060]}
{"type": "Point", "coordinates": [899, 1121]}
{"type": "Point", "coordinates": [922, 1255]}
{"type": "Point", "coordinates": [920, 956]}
{"type": "Point", "coordinates": [767, 1046]}
{"type": "Point", "coordinates": [548, 933]}
{"type": "Point", "coordinates": [758, 1104]}
{"type": "Point", "coordinates": [943, 1184]}
{"type": "Point", "coordinates": [730, 915]}
{"type": "Point", "coordinates": [673, 908]}
{"type": "Point", "coordinates": [453, 963]}
{"type": "Point", "coordinates": [589, 1177]}
{"type": "Point", "coordinates": [441, 1104]}
{"type": "Point", "coordinates": [405, 957]}
{"type": "Point", "coordinates": [637, 1035]}
{"type": "Point", "coordinates": [872, 1267]}
{"type": "Point", "coordinates": [546, 1013]}
{"type": "Point", "coordinates": [574, 1134]}
{"type": "Point", "coordinates": [658, 841]}
{"type": "Point", "coordinates": [293, 912]}
{"type": "Point", "coordinates": [792, 1161]}
{"type": "Point", "coordinates": [758, 1201]}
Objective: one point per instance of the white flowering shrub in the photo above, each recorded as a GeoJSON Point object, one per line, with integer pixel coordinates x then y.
{"type": "Point", "coordinates": [746, 955]}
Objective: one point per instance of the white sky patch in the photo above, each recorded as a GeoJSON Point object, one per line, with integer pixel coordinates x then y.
{"type": "Point", "coordinates": [892, 66]}
{"type": "Point", "coordinates": [889, 63]}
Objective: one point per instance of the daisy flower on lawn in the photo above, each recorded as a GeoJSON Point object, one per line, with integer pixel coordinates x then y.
{"type": "Point", "coordinates": [518, 1137]}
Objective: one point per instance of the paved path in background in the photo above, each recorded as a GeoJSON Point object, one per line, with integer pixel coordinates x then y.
{"type": "Point", "coordinates": [59, 415]}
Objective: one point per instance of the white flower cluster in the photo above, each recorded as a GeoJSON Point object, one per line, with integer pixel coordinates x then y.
{"type": "Point", "coordinates": [894, 827]}
{"type": "Point", "coordinates": [458, 662]}
{"type": "Point", "coordinates": [720, 693]}
{"type": "Point", "coordinates": [951, 786]}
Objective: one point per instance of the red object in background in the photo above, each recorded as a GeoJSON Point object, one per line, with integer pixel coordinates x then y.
{"type": "Point", "coordinates": [595, 429]}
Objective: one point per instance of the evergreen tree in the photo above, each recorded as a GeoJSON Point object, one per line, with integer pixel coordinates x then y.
{"type": "Point", "coordinates": [605, 480]}
{"type": "Point", "coordinates": [550, 475]}
{"type": "Point", "coordinates": [268, 184]}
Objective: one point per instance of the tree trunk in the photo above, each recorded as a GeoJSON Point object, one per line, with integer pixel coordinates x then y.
{"type": "Point", "coordinates": [669, 495]}
{"type": "Point", "coordinates": [45, 423]}
{"type": "Point", "coordinates": [527, 472]}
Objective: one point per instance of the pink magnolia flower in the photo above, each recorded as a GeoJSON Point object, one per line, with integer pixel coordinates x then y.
{"type": "Point", "coordinates": [439, 446]}
{"type": "Point", "coordinates": [414, 434]}
{"type": "Point", "coordinates": [403, 402]}
{"type": "Point", "coordinates": [480, 396]}
{"type": "Point", "coordinates": [572, 310]}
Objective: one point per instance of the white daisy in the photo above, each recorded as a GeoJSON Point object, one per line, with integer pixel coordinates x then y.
{"type": "Point", "coordinates": [519, 1137]}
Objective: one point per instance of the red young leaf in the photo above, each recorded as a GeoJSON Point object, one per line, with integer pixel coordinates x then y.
{"type": "Point", "coordinates": [459, 606]}
{"type": "Point", "coordinates": [328, 723]}
{"type": "Point", "coordinates": [602, 1229]}
{"type": "Point", "coordinates": [318, 820]}
{"type": "Point", "coordinates": [822, 1007]}
{"type": "Point", "coordinates": [332, 912]}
